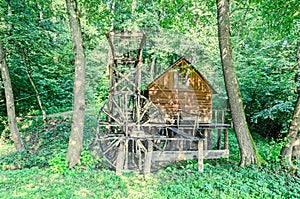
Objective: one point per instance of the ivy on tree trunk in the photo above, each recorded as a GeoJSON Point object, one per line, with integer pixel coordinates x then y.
{"type": "Point", "coordinates": [75, 140]}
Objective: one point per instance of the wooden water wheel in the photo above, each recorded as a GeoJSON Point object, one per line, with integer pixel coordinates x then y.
{"type": "Point", "coordinates": [130, 120]}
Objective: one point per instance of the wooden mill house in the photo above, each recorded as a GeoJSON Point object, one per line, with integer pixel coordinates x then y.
{"type": "Point", "coordinates": [185, 98]}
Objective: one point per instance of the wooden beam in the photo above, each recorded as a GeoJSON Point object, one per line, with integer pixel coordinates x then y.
{"type": "Point", "coordinates": [187, 155]}
{"type": "Point", "coordinates": [120, 159]}
{"type": "Point", "coordinates": [215, 154]}
{"type": "Point", "coordinates": [200, 156]}
{"type": "Point", "coordinates": [148, 158]}
{"type": "Point", "coordinates": [174, 155]}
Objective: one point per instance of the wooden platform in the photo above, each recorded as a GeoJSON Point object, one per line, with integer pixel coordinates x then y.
{"type": "Point", "coordinates": [182, 146]}
{"type": "Point", "coordinates": [188, 155]}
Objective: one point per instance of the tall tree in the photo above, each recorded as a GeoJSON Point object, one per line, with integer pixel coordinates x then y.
{"type": "Point", "coordinates": [10, 105]}
{"type": "Point", "coordinates": [75, 140]}
{"type": "Point", "coordinates": [247, 148]}
{"type": "Point", "coordinates": [29, 74]}
{"type": "Point", "coordinates": [294, 129]}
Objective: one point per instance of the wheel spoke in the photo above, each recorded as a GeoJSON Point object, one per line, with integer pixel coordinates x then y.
{"type": "Point", "coordinates": [118, 108]}
{"type": "Point", "coordinates": [111, 145]}
{"type": "Point", "coordinates": [118, 115]}
{"type": "Point", "coordinates": [112, 117]}
{"type": "Point", "coordinates": [145, 110]}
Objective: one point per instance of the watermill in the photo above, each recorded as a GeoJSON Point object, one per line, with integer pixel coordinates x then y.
{"type": "Point", "coordinates": [134, 132]}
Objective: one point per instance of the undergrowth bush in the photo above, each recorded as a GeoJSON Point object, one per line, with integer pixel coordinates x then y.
{"type": "Point", "coordinates": [41, 141]}
{"type": "Point", "coordinates": [46, 146]}
{"type": "Point", "coordinates": [222, 178]}
{"type": "Point", "coordinates": [59, 163]}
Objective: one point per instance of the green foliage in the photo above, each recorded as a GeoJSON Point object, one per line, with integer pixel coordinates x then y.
{"type": "Point", "coordinates": [217, 181]}
{"type": "Point", "coordinates": [6, 148]}
{"type": "Point", "coordinates": [271, 152]}
{"type": "Point", "coordinates": [37, 45]}
{"type": "Point", "coordinates": [265, 66]}
{"type": "Point", "coordinates": [59, 163]}
{"type": "Point", "coordinates": [50, 177]}
{"type": "Point", "coordinates": [87, 161]}
{"type": "Point", "coordinates": [4, 131]}
{"type": "Point", "coordinates": [41, 143]}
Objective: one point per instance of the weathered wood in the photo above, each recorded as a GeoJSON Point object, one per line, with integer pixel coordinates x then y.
{"type": "Point", "coordinates": [213, 125]}
{"type": "Point", "coordinates": [147, 138]}
{"type": "Point", "coordinates": [225, 138]}
{"type": "Point", "coordinates": [185, 108]}
{"type": "Point", "coordinates": [216, 154]}
{"type": "Point", "coordinates": [120, 159]}
{"type": "Point", "coordinates": [188, 100]}
{"type": "Point", "coordinates": [126, 155]}
{"type": "Point", "coordinates": [200, 156]}
{"type": "Point", "coordinates": [174, 155]}
{"type": "Point", "coordinates": [183, 134]}
{"type": "Point", "coordinates": [170, 99]}
{"type": "Point", "coordinates": [164, 156]}
{"type": "Point", "coordinates": [205, 145]}
{"type": "Point", "coordinates": [219, 141]}
{"type": "Point", "coordinates": [208, 139]}
{"type": "Point", "coordinates": [178, 93]}
{"type": "Point", "coordinates": [148, 158]}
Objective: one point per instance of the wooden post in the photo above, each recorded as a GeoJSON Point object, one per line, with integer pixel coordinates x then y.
{"type": "Point", "coordinates": [120, 159]}
{"type": "Point", "coordinates": [148, 158]}
{"type": "Point", "coordinates": [219, 138]}
{"type": "Point", "coordinates": [126, 155]}
{"type": "Point", "coordinates": [205, 141]}
{"type": "Point", "coordinates": [200, 156]}
{"type": "Point", "coordinates": [223, 117]}
{"type": "Point", "coordinates": [226, 138]}
{"type": "Point", "coordinates": [208, 138]}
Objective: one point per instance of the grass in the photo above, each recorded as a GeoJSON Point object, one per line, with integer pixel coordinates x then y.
{"type": "Point", "coordinates": [220, 179]}
{"type": "Point", "coordinates": [6, 148]}
{"type": "Point", "coordinates": [217, 181]}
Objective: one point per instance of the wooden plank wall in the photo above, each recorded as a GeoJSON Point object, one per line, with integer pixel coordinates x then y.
{"type": "Point", "coordinates": [195, 98]}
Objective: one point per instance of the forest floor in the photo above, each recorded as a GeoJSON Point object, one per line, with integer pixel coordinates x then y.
{"type": "Point", "coordinates": [45, 175]}
{"type": "Point", "coordinates": [180, 181]}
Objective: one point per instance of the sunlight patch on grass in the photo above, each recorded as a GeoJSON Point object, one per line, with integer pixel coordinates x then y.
{"type": "Point", "coordinates": [83, 192]}
{"type": "Point", "coordinates": [141, 186]}
{"type": "Point", "coordinates": [6, 148]}
{"type": "Point", "coordinates": [19, 194]}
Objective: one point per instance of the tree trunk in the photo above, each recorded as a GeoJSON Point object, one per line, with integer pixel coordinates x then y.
{"type": "Point", "coordinates": [75, 140]}
{"type": "Point", "coordinates": [37, 94]}
{"type": "Point", "coordinates": [10, 105]}
{"type": "Point", "coordinates": [112, 11]}
{"type": "Point", "coordinates": [133, 7]}
{"type": "Point", "coordinates": [293, 132]}
{"type": "Point", "coordinates": [248, 152]}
